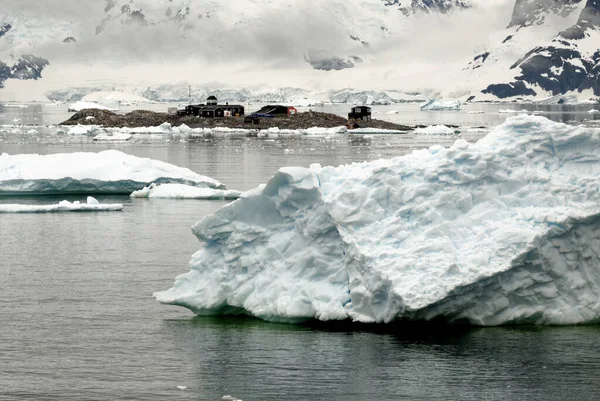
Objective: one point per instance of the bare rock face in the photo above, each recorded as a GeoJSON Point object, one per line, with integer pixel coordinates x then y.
{"type": "Point", "coordinates": [409, 7]}
{"type": "Point", "coordinates": [4, 28]}
{"type": "Point", "coordinates": [563, 65]}
{"type": "Point", "coordinates": [321, 60]}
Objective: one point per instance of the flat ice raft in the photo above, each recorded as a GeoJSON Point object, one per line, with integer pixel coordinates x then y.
{"type": "Point", "coordinates": [107, 172]}
{"type": "Point", "coordinates": [92, 205]}
{"type": "Point", "coordinates": [503, 231]}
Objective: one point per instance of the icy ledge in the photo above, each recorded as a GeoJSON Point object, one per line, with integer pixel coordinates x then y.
{"type": "Point", "coordinates": [107, 172]}
{"type": "Point", "coordinates": [503, 231]}
{"type": "Point", "coordinates": [92, 205]}
{"type": "Point", "coordinates": [180, 191]}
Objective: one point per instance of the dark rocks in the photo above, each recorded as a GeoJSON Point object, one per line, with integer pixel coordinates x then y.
{"type": "Point", "coordinates": [27, 67]}
{"type": "Point", "coordinates": [5, 73]}
{"type": "Point", "coordinates": [5, 28]}
{"type": "Point", "coordinates": [144, 118]}
{"type": "Point", "coordinates": [70, 39]}
{"type": "Point", "coordinates": [502, 91]}
{"type": "Point", "coordinates": [322, 60]}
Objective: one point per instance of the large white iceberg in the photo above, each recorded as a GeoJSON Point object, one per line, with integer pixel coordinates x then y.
{"type": "Point", "coordinates": [506, 230]}
{"type": "Point", "coordinates": [180, 191]}
{"type": "Point", "coordinates": [107, 172]}
{"type": "Point", "coordinates": [92, 205]}
{"type": "Point", "coordinates": [434, 104]}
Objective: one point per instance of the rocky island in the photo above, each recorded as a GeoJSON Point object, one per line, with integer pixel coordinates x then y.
{"type": "Point", "coordinates": [144, 118]}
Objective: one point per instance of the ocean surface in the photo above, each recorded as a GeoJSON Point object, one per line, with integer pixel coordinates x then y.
{"type": "Point", "coordinates": [78, 321]}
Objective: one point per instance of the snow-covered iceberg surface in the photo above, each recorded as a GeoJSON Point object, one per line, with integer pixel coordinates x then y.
{"type": "Point", "coordinates": [92, 205]}
{"type": "Point", "coordinates": [433, 104]}
{"type": "Point", "coordinates": [180, 191]}
{"type": "Point", "coordinates": [107, 172]}
{"type": "Point", "coordinates": [503, 231]}
{"type": "Point", "coordinates": [436, 130]}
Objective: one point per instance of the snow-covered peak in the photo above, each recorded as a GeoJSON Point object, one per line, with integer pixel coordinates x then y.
{"type": "Point", "coordinates": [409, 7]}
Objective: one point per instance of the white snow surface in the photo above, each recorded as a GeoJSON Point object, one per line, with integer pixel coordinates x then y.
{"type": "Point", "coordinates": [102, 97]}
{"type": "Point", "coordinates": [433, 104]}
{"type": "Point", "coordinates": [436, 130]}
{"type": "Point", "coordinates": [81, 105]}
{"type": "Point", "coordinates": [506, 230]}
{"type": "Point", "coordinates": [123, 134]}
{"type": "Point", "coordinates": [92, 205]}
{"type": "Point", "coordinates": [110, 172]}
{"type": "Point", "coordinates": [180, 191]}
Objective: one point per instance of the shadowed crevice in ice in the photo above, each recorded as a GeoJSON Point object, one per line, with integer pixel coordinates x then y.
{"type": "Point", "coordinates": [498, 232]}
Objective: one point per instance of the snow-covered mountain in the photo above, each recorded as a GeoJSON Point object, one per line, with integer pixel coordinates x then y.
{"type": "Point", "coordinates": [551, 47]}
{"type": "Point", "coordinates": [483, 50]}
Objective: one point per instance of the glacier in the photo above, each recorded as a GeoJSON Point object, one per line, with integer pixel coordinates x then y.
{"type": "Point", "coordinates": [92, 205]}
{"type": "Point", "coordinates": [106, 172]}
{"type": "Point", "coordinates": [504, 231]}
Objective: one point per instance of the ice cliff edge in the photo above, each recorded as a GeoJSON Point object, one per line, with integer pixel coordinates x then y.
{"type": "Point", "coordinates": [502, 231]}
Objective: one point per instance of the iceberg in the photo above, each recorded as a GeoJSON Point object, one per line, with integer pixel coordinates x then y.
{"type": "Point", "coordinates": [107, 172]}
{"type": "Point", "coordinates": [180, 191]}
{"type": "Point", "coordinates": [504, 231]}
{"type": "Point", "coordinates": [433, 104]}
{"type": "Point", "coordinates": [92, 205]}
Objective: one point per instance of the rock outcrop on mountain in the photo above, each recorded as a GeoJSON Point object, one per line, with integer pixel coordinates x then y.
{"type": "Point", "coordinates": [409, 7]}
{"type": "Point", "coordinates": [534, 12]}
{"type": "Point", "coordinates": [27, 67]}
{"type": "Point", "coordinates": [569, 62]}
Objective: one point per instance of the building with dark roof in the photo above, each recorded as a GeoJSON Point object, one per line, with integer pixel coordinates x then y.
{"type": "Point", "coordinates": [213, 109]}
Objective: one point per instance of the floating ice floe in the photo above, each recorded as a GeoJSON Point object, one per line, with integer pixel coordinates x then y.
{"type": "Point", "coordinates": [503, 231]}
{"type": "Point", "coordinates": [113, 137]}
{"type": "Point", "coordinates": [120, 134]}
{"type": "Point", "coordinates": [92, 205]}
{"type": "Point", "coordinates": [475, 112]}
{"type": "Point", "coordinates": [511, 111]}
{"type": "Point", "coordinates": [372, 131]}
{"type": "Point", "coordinates": [180, 191]}
{"type": "Point", "coordinates": [436, 130]}
{"type": "Point", "coordinates": [15, 106]}
{"type": "Point", "coordinates": [78, 106]}
{"type": "Point", "coordinates": [592, 111]}
{"type": "Point", "coordinates": [433, 104]}
{"type": "Point", "coordinates": [107, 172]}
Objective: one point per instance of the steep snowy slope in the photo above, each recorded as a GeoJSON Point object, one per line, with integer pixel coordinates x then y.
{"type": "Point", "coordinates": [550, 47]}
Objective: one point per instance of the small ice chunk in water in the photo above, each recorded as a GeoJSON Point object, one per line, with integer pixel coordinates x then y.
{"type": "Point", "coordinates": [182, 388]}
{"type": "Point", "coordinates": [92, 201]}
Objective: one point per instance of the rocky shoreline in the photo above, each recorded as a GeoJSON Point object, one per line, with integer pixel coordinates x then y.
{"type": "Point", "coordinates": [144, 118]}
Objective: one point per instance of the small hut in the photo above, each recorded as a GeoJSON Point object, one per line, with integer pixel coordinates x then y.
{"type": "Point", "coordinates": [362, 113]}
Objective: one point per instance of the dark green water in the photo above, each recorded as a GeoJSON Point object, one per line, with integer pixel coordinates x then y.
{"type": "Point", "coordinates": [78, 322]}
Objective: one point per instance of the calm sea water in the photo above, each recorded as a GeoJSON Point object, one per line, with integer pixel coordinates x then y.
{"type": "Point", "coordinates": [78, 322]}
